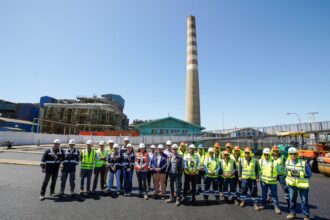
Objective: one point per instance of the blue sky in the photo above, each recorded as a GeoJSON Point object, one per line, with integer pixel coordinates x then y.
{"type": "Point", "coordinates": [258, 60]}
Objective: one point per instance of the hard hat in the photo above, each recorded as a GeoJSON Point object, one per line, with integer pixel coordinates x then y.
{"type": "Point", "coordinates": [160, 146]}
{"type": "Point", "coordinates": [142, 145]}
{"type": "Point", "coordinates": [57, 141]}
{"type": "Point", "coordinates": [200, 146]}
{"type": "Point", "coordinates": [210, 150]}
{"type": "Point", "coordinates": [116, 146]}
{"type": "Point", "coordinates": [247, 149]}
{"type": "Point", "coordinates": [168, 143]}
{"type": "Point", "coordinates": [102, 143]}
{"type": "Point", "coordinates": [217, 145]}
{"type": "Point", "coordinates": [72, 141]}
{"type": "Point", "coordinates": [225, 152]}
{"type": "Point", "coordinates": [129, 145]}
{"type": "Point", "coordinates": [110, 142]}
{"type": "Point", "coordinates": [153, 146]}
{"type": "Point", "coordinates": [182, 143]}
{"type": "Point", "coordinates": [266, 151]}
{"type": "Point", "coordinates": [229, 145]}
{"type": "Point", "coordinates": [174, 146]}
{"type": "Point", "coordinates": [237, 148]}
{"type": "Point", "coordinates": [126, 139]}
{"type": "Point", "coordinates": [192, 146]}
{"type": "Point", "coordinates": [89, 142]}
{"type": "Point", "coordinates": [292, 150]}
{"type": "Point", "coordinates": [275, 147]}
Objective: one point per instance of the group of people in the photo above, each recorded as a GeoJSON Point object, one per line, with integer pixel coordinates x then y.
{"type": "Point", "coordinates": [232, 173]}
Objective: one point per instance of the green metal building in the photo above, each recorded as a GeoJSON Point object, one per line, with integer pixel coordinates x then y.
{"type": "Point", "coordinates": [169, 126]}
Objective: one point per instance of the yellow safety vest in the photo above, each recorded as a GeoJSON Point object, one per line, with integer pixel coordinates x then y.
{"type": "Point", "coordinates": [191, 163]}
{"type": "Point", "coordinates": [227, 168]}
{"type": "Point", "coordinates": [295, 175]}
{"type": "Point", "coordinates": [212, 165]}
{"type": "Point", "coordinates": [280, 163]}
{"type": "Point", "coordinates": [88, 160]}
{"type": "Point", "coordinates": [100, 163]}
{"type": "Point", "coordinates": [248, 169]}
{"type": "Point", "coordinates": [268, 171]}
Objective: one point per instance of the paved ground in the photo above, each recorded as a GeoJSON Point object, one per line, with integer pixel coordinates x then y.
{"type": "Point", "coordinates": [19, 199]}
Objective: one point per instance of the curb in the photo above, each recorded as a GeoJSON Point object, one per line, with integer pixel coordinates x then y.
{"type": "Point", "coordinates": [20, 162]}
{"type": "Point", "coordinates": [22, 151]}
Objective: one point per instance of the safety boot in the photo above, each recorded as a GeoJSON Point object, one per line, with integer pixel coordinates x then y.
{"type": "Point", "coordinates": [261, 207]}
{"type": "Point", "coordinates": [277, 210]}
{"type": "Point", "coordinates": [217, 199]}
{"type": "Point", "coordinates": [171, 199]}
{"type": "Point", "coordinates": [306, 218]}
{"type": "Point", "coordinates": [177, 203]}
{"type": "Point", "coordinates": [146, 197]}
{"type": "Point", "coordinates": [256, 207]}
{"type": "Point", "coordinates": [242, 204]}
{"type": "Point", "coordinates": [42, 197]}
{"type": "Point", "coordinates": [291, 216]}
{"type": "Point", "coordinates": [193, 199]}
{"type": "Point", "coordinates": [236, 202]}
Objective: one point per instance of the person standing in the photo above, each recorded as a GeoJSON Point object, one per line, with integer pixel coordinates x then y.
{"type": "Point", "coordinates": [298, 174]}
{"type": "Point", "coordinates": [168, 152]}
{"type": "Point", "coordinates": [158, 167]}
{"type": "Point", "coordinates": [182, 149]}
{"type": "Point", "coordinates": [109, 151]}
{"type": "Point", "coordinates": [141, 167]}
{"type": "Point", "coordinates": [212, 167]}
{"type": "Point", "coordinates": [228, 170]}
{"type": "Point", "coordinates": [175, 170]}
{"type": "Point", "coordinates": [50, 164]}
{"type": "Point", "coordinates": [150, 175]}
{"type": "Point", "coordinates": [114, 160]}
{"type": "Point", "coordinates": [86, 167]}
{"type": "Point", "coordinates": [236, 156]}
{"type": "Point", "coordinates": [201, 172]}
{"type": "Point", "coordinates": [128, 167]}
{"type": "Point", "coordinates": [70, 161]}
{"type": "Point", "coordinates": [122, 151]}
{"type": "Point", "coordinates": [99, 170]}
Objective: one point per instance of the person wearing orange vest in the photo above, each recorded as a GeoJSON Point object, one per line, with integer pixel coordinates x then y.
{"type": "Point", "coordinates": [141, 167]}
{"type": "Point", "coordinates": [228, 170]}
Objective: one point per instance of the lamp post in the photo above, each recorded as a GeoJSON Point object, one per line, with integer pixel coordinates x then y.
{"type": "Point", "coordinates": [292, 113]}
{"type": "Point", "coordinates": [313, 116]}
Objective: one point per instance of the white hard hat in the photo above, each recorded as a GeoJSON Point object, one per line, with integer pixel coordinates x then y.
{"type": "Point", "coordinates": [126, 139]}
{"type": "Point", "coordinates": [142, 145]}
{"type": "Point", "coordinates": [116, 146]}
{"type": "Point", "coordinates": [153, 146]}
{"type": "Point", "coordinates": [72, 141]}
{"type": "Point", "coordinates": [266, 151]}
{"type": "Point", "coordinates": [292, 150]}
{"type": "Point", "coordinates": [168, 142]}
{"type": "Point", "coordinates": [160, 146]}
{"type": "Point", "coordinates": [89, 142]}
{"type": "Point", "coordinates": [110, 142]}
{"type": "Point", "coordinates": [192, 146]}
{"type": "Point", "coordinates": [211, 150]}
{"type": "Point", "coordinates": [102, 143]}
{"type": "Point", "coordinates": [174, 146]}
{"type": "Point", "coordinates": [56, 141]}
{"type": "Point", "coordinates": [129, 145]}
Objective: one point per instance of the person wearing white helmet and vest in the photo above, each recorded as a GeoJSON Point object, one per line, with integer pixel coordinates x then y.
{"type": "Point", "coordinates": [168, 152]}
{"type": "Point", "coordinates": [109, 151]}
{"type": "Point", "coordinates": [87, 159]}
{"type": "Point", "coordinates": [211, 167]}
{"type": "Point", "coordinates": [128, 162]}
{"type": "Point", "coordinates": [99, 170]}
{"type": "Point", "coordinates": [141, 167]}
{"type": "Point", "coordinates": [150, 175]}
{"type": "Point", "coordinates": [298, 174]}
{"type": "Point", "coordinates": [158, 166]}
{"type": "Point", "coordinates": [114, 160]}
{"type": "Point", "coordinates": [268, 180]}
{"type": "Point", "coordinates": [50, 164]}
{"type": "Point", "coordinates": [70, 161]}
{"type": "Point", "coordinates": [201, 172]}
{"type": "Point", "coordinates": [122, 151]}
{"type": "Point", "coordinates": [191, 168]}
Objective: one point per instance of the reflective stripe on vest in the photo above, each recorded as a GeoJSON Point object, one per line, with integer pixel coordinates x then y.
{"type": "Point", "coordinates": [296, 174]}
{"type": "Point", "coordinates": [228, 168]}
{"type": "Point", "coordinates": [268, 170]}
{"type": "Point", "coordinates": [100, 163]}
{"type": "Point", "coordinates": [280, 163]}
{"type": "Point", "coordinates": [211, 165]}
{"type": "Point", "coordinates": [87, 162]}
{"type": "Point", "coordinates": [248, 169]}
{"type": "Point", "coordinates": [191, 163]}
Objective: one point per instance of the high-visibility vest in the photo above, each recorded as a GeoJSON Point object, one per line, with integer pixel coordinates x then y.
{"type": "Point", "coordinates": [110, 150]}
{"type": "Point", "coordinates": [182, 153]}
{"type": "Point", "coordinates": [191, 163]}
{"type": "Point", "coordinates": [100, 163]}
{"type": "Point", "coordinates": [296, 173]}
{"type": "Point", "coordinates": [201, 159]}
{"type": "Point", "coordinates": [212, 165]}
{"type": "Point", "coordinates": [237, 161]}
{"type": "Point", "coordinates": [268, 171]}
{"type": "Point", "coordinates": [248, 169]}
{"type": "Point", "coordinates": [280, 163]}
{"type": "Point", "coordinates": [227, 168]}
{"type": "Point", "coordinates": [87, 159]}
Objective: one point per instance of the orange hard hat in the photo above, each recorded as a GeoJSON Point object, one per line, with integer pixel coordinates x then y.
{"type": "Point", "coordinates": [247, 149]}
{"type": "Point", "coordinates": [237, 148]}
{"type": "Point", "coordinates": [217, 145]}
{"type": "Point", "coordinates": [275, 147]}
{"type": "Point", "coordinates": [225, 152]}
{"type": "Point", "coordinates": [182, 143]}
{"type": "Point", "coordinates": [229, 145]}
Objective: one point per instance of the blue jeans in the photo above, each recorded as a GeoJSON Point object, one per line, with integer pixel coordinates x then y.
{"type": "Point", "coordinates": [273, 191]}
{"type": "Point", "coordinates": [293, 192]}
{"type": "Point", "coordinates": [215, 186]}
{"type": "Point", "coordinates": [88, 175]}
{"type": "Point", "coordinates": [231, 184]}
{"type": "Point", "coordinates": [111, 177]}
{"type": "Point", "coordinates": [128, 178]}
{"type": "Point", "coordinates": [249, 184]}
{"type": "Point", "coordinates": [281, 180]}
{"type": "Point", "coordinates": [142, 179]}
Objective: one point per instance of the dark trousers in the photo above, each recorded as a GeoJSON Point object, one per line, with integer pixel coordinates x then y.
{"type": "Point", "coordinates": [72, 179]}
{"type": "Point", "coordinates": [142, 179]}
{"type": "Point", "coordinates": [293, 192]}
{"type": "Point", "coordinates": [88, 175]}
{"type": "Point", "coordinates": [149, 177]}
{"type": "Point", "coordinates": [273, 191]}
{"type": "Point", "coordinates": [99, 171]}
{"type": "Point", "coordinates": [177, 180]}
{"type": "Point", "coordinates": [238, 186]}
{"type": "Point", "coordinates": [200, 179]}
{"type": "Point", "coordinates": [121, 179]}
{"type": "Point", "coordinates": [220, 181]}
{"type": "Point", "coordinates": [215, 185]}
{"type": "Point", "coordinates": [128, 180]}
{"type": "Point", "coordinates": [249, 185]}
{"type": "Point", "coordinates": [229, 188]}
{"type": "Point", "coordinates": [53, 174]}
{"type": "Point", "coordinates": [187, 180]}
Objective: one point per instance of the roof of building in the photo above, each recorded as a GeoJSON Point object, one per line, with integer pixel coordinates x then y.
{"type": "Point", "coordinates": [167, 118]}
{"type": "Point", "coordinates": [15, 121]}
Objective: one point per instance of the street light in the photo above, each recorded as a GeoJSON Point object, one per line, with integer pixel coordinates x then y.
{"type": "Point", "coordinates": [292, 113]}
{"type": "Point", "coordinates": [313, 116]}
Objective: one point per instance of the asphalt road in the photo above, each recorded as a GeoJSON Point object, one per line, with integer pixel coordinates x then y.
{"type": "Point", "coordinates": [20, 187]}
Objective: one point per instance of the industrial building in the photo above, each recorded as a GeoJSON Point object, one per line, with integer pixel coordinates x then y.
{"type": "Point", "coordinates": [169, 126]}
{"type": "Point", "coordinates": [84, 114]}
{"type": "Point", "coordinates": [20, 111]}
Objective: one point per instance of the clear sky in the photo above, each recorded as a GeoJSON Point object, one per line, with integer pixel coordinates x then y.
{"type": "Point", "coordinates": [258, 60]}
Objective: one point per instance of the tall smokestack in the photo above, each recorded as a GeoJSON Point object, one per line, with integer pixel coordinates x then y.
{"type": "Point", "coordinates": [192, 83]}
